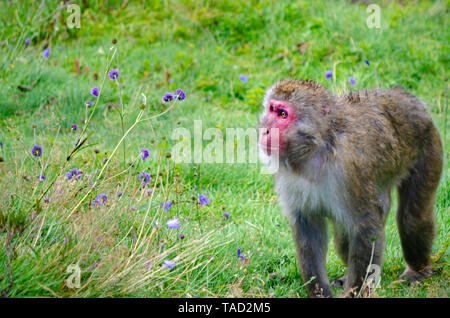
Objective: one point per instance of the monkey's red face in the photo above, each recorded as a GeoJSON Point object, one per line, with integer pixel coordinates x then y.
{"type": "Point", "coordinates": [280, 115]}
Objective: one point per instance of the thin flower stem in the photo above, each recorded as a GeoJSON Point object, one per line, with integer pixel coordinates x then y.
{"type": "Point", "coordinates": [106, 164]}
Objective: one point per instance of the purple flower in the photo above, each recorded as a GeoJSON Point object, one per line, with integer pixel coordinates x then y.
{"type": "Point", "coordinates": [46, 200]}
{"type": "Point", "coordinates": [145, 178]}
{"type": "Point", "coordinates": [243, 78]}
{"type": "Point", "coordinates": [182, 236]}
{"type": "Point", "coordinates": [144, 154]}
{"type": "Point", "coordinates": [166, 205]}
{"type": "Point", "coordinates": [169, 264]}
{"type": "Point", "coordinates": [104, 160]}
{"type": "Point", "coordinates": [167, 97]}
{"type": "Point", "coordinates": [119, 194]}
{"type": "Point", "coordinates": [328, 74]}
{"type": "Point", "coordinates": [65, 240]}
{"type": "Point", "coordinates": [180, 94]}
{"type": "Point", "coordinates": [174, 223]}
{"type": "Point", "coordinates": [352, 81]}
{"type": "Point", "coordinates": [74, 127]}
{"type": "Point", "coordinates": [113, 74]}
{"type": "Point", "coordinates": [27, 41]}
{"type": "Point", "coordinates": [46, 53]}
{"type": "Point", "coordinates": [94, 91]}
{"type": "Point", "coordinates": [203, 200]}
{"type": "Point", "coordinates": [149, 264]}
{"type": "Point", "coordinates": [226, 214]}
{"type": "Point", "coordinates": [102, 198]}
{"type": "Point", "coordinates": [239, 254]}
{"type": "Point", "coordinates": [76, 172]}
{"type": "Point", "coordinates": [367, 62]}
{"type": "Point", "coordinates": [37, 151]}
{"type": "Point", "coordinates": [41, 178]}
{"type": "Point", "coordinates": [95, 202]}
{"type": "Point", "coordinates": [88, 103]}
{"type": "Point", "coordinates": [149, 191]}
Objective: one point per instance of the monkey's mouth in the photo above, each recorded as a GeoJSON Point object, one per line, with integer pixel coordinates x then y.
{"type": "Point", "coordinates": [269, 150]}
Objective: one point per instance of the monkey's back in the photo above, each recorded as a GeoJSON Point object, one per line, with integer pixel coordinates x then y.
{"type": "Point", "coordinates": [384, 130]}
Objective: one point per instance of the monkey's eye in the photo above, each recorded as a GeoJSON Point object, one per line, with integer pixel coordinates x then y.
{"type": "Point", "coordinates": [282, 113]}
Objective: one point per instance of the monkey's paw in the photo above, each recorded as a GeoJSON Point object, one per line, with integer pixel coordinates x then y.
{"type": "Point", "coordinates": [338, 282]}
{"type": "Point", "coordinates": [412, 276]}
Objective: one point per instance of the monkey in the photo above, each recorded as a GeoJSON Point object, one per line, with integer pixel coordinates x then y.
{"type": "Point", "coordinates": [338, 159]}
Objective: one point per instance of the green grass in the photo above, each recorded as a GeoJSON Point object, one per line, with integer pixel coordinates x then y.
{"type": "Point", "coordinates": [203, 47]}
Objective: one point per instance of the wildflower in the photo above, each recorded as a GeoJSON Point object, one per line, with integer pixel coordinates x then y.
{"type": "Point", "coordinates": [113, 74]}
{"type": "Point", "coordinates": [94, 91]}
{"type": "Point", "coordinates": [226, 214]}
{"type": "Point", "coordinates": [95, 202]}
{"type": "Point", "coordinates": [243, 78]}
{"type": "Point", "coordinates": [41, 178]}
{"type": "Point", "coordinates": [88, 103]}
{"type": "Point", "coordinates": [27, 41]}
{"type": "Point", "coordinates": [145, 178]}
{"type": "Point", "coordinates": [149, 191]}
{"type": "Point", "coordinates": [352, 81]}
{"type": "Point", "coordinates": [145, 154]}
{"type": "Point", "coordinates": [46, 200]}
{"type": "Point", "coordinates": [181, 236]}
{"type": "Point", "coordinates": [367, 62]}
{"type": "Point", "coordinates": [46, 53]}
{"type": "Point", "coordinates": [167, 97]}
{"type": "Point", "coordinates": [104, 160]}
{"type": "Point", "coordinates": [169, 264]}
{"type": "Point", "coordinates": [94, 265]}
{"type": "Point", "coordinates": [65, 240]}
{"type": "Point", "coordinates": [166, 205]}
{"type": "Point", "coordinates": [132, 207]}
{"type": "Point", "coordinates": [180, 94]}
{"type": "Point", "coordinates": [102, 197]}
{"type": "Point", "coordinates": [149, 264]}
{"type": "Point", "coordinates": [239, 254]}
{"type": "Point", "coordinates": [170, 80]}
{"type": "Point", "coordinates": [119, 194]}
{"type": "Point", "coordinates": [74, 127]}
{"type": "Point", "coordinates": [203, 200]}
{"type": "Point", "coordinates": [173, 224]}
{"type": "Point", "coordinates": [76, 172]}
{"type": "Point", "coordinates": [37, 151]}
{"type": "Point", "coordinates": [328, 74]}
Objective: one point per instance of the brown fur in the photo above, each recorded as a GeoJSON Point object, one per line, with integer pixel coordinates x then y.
{"type": "Point", "coordinates": [375, 139]}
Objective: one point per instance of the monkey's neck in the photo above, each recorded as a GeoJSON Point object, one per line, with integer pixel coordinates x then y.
{"type": "Point", "coordinates": [316, 165]}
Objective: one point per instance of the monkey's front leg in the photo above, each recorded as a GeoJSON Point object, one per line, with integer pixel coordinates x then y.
{"type": "Point", "coordinates": [310, 237]}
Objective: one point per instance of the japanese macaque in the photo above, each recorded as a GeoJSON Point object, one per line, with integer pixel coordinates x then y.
{"type": "Point", "coordinates": [338, 159]}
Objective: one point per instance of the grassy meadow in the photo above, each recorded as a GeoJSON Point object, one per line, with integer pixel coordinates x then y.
{"type": "Point", "coordinates": [88, 198]}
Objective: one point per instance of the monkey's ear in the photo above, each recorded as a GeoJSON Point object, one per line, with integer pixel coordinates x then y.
{"type": "Point", "coordinates": [325, 110]}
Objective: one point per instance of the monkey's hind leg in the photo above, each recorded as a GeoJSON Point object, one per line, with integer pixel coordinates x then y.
{"type": "Point", "coordinates": [415, 215]}
{"type": "Point", "coordinates": [341, 242]}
